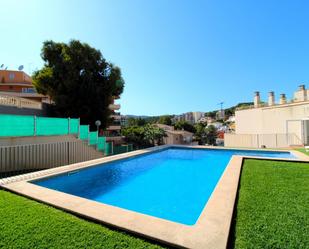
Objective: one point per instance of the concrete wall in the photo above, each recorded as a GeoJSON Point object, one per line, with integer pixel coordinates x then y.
{"type": "Point", "coordinates": [11, 141]}
{"type": "Point", "coordinates": [271, 120]}
{"type": "Point", "coordinates": [22, 111]}
{"type": "Point", "coordinates": [261, 140]}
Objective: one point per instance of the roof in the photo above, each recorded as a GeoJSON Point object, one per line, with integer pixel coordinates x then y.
{"type": "Point", "coordinates": [180, 132]}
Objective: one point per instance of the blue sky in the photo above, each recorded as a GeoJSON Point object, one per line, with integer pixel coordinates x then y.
{"type": "Point", "coordinates": [175, 55]}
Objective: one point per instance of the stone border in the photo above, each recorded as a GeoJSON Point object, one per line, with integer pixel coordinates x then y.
{"type": "Point", "coordinates": [210, 231]}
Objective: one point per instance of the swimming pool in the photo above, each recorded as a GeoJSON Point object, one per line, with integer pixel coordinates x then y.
{"type": "Point", "coordinates": [173, 184]}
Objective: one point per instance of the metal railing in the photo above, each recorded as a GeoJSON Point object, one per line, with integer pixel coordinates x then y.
{"type": "Point", "coordinates": [19, 102]}
{"type": "Point", "coordinates": [31, 157]}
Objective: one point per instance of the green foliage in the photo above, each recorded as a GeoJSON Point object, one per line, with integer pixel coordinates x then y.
{"type": "Point", "coordinates": [29, 224]}
{"type": "Point", "coordinates": [211, 134]}
{"type": "Point", "coordinates": [228, 111]}
{"type": "Point", "coordinates": [205, 134]}
{"type": "Point", "coordinates": [272, 209]}
{"type": "Point", "coordinates": [231, 111]}
{"type": "Point", "coordinates": [136, 122]}
{"type": "Point", "coordinates": [303, 150]}
{"type": "Point", "coordinates": [211, 114]}
{"type": "Point", "coordinates": [134, 135]}
{"type": "Point", "coordinates": [184, 125]}
{"type": "Point", "coordinates": [143, 136]}
{"type": "Point", "coordinates": [200, 133]}
{"type": "Point", "coordinates": [166, 119]}
{"type": "Point", "coordinates": [154, 134]}
{"type": "Point", "coordinates": [79, 81]}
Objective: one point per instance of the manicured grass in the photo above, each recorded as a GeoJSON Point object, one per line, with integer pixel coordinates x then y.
{"type": "Point", "coordinates": [303, 150]}
{"type": "Point", "coordinates": [273, 206]}
{"type": "Point", "coordinates": [272, 212]}
{"type": "Point", "coordinates": [28, 224]}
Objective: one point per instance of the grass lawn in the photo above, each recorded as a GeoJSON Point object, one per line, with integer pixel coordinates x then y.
{"type": "Point", "coordinates": [273, 206]}
{"type": "Point", "coordinates": [303, 150]}
{"type": "Point", "coordinates": [28, 224]}
{"type": "Point", "coordinates": [272, 212]}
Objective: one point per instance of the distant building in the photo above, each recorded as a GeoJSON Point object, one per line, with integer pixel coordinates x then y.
{"type": "Point", "coordinates": [176, 136]}
{"type": "Point", "coordinates": [273, 124]}
{"type": "Point", "coordinates": [190, 117]}
{"type": "Point", "coordinates": [112, 132]}
{"type": "Point", "coordinates": [220, 114]}
{"type": "Point", "coordinates": [19, 84]}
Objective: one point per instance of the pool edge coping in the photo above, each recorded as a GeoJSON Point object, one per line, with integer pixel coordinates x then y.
{"type": "Point", "coordinates": [215, 219]}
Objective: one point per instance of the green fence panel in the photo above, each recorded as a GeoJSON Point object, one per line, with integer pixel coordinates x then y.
{"type": "Point", "coordinates": [120, 149]}
{"type": "Point", "coordinates": [15, 125]}
{"type": "Point", "coordinates": [109, 149]}
{"type": "Point", "coordinates": [130, 147]}
{"type": "Point", "coordinates": [51, 126]}
{"type": "Point", "coordinates": [74, 124]}
{"type": "Point", "coordinates": [84, 132]}
{"type": "Point", "coordinates": [101, 143]}
{"type": "Point", "coordinates": [93, 137]}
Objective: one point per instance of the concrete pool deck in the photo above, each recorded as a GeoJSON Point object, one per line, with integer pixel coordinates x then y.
{"type": "Point", "coordinates": [210, 231]}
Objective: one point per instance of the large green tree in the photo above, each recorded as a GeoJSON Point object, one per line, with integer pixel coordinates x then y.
{"type": "Point", "coordinates": [144, 136]}
{"type": "Point", "coordinates": [165, 119]}
{"type": "Point", "coordinates": [184, 125]}
{"type": "Point", "coordinates": [80, 82]}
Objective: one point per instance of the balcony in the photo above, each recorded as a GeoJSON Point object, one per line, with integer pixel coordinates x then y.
{"type": "Point", "coordinates": [113, 128]}
{"type": "Point", "coordinates": [116, 116]}
{"type": "Point", "coordinates": [114, 107]}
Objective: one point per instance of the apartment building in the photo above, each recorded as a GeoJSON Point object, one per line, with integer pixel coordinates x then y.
{"type": "Point", "coordinates": [271, 124]}
{"type": "Point", "coordinates": [190, 117]}
{"type": "Point", "coordinates": [19, 84]}
{"type": "Point", "coordinates": [113, 130]}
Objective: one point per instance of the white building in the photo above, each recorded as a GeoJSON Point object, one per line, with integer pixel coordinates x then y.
{"type": "Point", "coordinates": [190, 117]}
{"type": "Point", "coordinates": [273, 124]}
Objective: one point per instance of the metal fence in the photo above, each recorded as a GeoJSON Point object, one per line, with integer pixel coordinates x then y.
{"type": "Point", "coordinates": [31, 157]}
{"type": "Point", "coordinates": [21, 125]}
{"type": "Point", "coordinates": [261, 140]}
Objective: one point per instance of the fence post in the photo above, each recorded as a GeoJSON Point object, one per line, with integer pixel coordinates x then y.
{"type": "Point", "coordinates": [258, 140]}
{"type": "Point", "coordinates": [68, 151]}
{"type": "Point", "coordinates": [78, 135]}
{"type": "Point", "coordinates": [35, 128]}
{"type": "Point", "coordinates": [276, 140]}
{"type": "Point", "coordinates": [69, 125]}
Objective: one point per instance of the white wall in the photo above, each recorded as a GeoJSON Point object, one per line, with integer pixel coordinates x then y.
{"type": "Point", "coordinates": [271, 120]}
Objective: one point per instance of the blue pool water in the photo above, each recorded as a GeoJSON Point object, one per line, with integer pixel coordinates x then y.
{"type": "Point", "coordinates": [173, 184]}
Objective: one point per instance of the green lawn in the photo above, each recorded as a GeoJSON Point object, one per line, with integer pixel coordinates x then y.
{"type": "Point", "coordinates": [303, 150]}
{"type": "Point", "coordinates": [272, 212]}
{"type": "Point", "coordinates": [28, 224]}
{"type": "Point", "coordinates": [273, 206]}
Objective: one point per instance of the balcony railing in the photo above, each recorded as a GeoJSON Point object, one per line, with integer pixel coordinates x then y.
{"type": "Point", "coordinates": [113, 127]}
{"type": "Point", "coordinates": [19, 102]}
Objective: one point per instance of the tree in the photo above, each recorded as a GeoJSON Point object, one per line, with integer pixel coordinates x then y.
{"type": "Point", "coordinates": [211, 134]}
{"type": "Point", "coordinates": [78, 80]}
{"type": "Point", "coordinates": [184, 125]}
{"type": "Point", "coordinates": [134, 135]}
{"type": "Point", "coordinates": [154, 134]}
{"type": "Point", "coordinates": [143, 136]}
{"type": "Point", "coordinates": [200, 133]}
{"type": "Point", "coordinates": [166, 119]}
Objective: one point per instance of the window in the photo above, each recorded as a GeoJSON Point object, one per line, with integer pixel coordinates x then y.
{"type": "Point", "coordinates": [11, 76]}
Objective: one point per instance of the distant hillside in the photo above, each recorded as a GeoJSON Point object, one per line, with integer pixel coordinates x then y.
{"type": "Point", "coordinates": [228, 111]}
